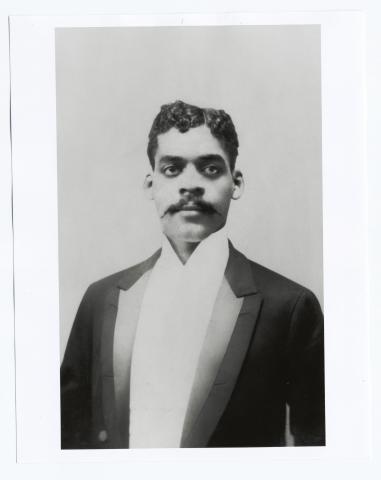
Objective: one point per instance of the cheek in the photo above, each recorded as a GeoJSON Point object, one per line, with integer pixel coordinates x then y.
{"type": "Point", "coordinates": [163, 195]}
{"type": "Point", "coordinates": [223, 193]}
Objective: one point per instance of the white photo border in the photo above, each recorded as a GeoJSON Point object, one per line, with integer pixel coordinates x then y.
{"type": "Point", "coordinates": [36, 238]}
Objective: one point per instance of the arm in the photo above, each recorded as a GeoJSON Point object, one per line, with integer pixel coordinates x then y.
{"type": "Point", "coordinates": [76, 381]}
{"type": "Point", "coordinates": [305, 362]}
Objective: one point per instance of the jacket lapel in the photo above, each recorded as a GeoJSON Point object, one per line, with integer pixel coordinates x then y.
{"type": "Point", "coordinates": [107, 383]}
{"type": "Point", "coordinates": [125, 329]}
{"type": "Point", "coordinates": [239, 276]}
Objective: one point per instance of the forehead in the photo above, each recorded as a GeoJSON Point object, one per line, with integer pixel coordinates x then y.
{"type": "Point", "coordinates": [194, 143]}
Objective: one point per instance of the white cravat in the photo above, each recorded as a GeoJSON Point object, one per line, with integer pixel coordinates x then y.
{"type": "Point", "coordinates": [173, 321]}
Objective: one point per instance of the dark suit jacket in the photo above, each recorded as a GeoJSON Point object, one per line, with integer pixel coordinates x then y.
{"type": "Point", "coordinates": [274, 357]}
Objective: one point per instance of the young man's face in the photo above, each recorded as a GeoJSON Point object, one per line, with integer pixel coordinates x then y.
{"type": "Point", "coordinates": [192, 184]}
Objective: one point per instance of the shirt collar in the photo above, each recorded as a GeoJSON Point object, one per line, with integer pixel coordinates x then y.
{"type": "Point", "coordinates": [214, 245]}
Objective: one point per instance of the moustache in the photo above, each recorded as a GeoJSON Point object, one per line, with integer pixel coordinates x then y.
{"type": "Point", "coordinates": [204, 207]}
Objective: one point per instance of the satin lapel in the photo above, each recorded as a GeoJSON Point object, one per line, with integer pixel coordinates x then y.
{"type": "Point", "coordinates": [125, 327]}
{"type": "Point", "coordinates": [107, 385]}
{"type": "Point", "coordinates": [220, 329]}
{"type": "Point", "coordinates": [239, 275]}
{"type": "Point", "coordinates": [106, 359]}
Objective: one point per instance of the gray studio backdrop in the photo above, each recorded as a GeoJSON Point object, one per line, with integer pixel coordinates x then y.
{"type": "Point", "coordinates": [111, 83]}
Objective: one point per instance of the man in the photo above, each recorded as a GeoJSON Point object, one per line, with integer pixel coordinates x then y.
{"type": "Point", "coordinates": [197, 346]}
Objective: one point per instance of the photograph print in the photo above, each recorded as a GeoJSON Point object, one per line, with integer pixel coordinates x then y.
{"type": "Point", "coordinates": [190, 237]}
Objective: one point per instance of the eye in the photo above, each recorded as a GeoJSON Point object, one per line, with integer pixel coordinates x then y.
{"type": "Point", "coordinates": [211, 170]}
{"type": "Point", "coordinates": [171, 170]}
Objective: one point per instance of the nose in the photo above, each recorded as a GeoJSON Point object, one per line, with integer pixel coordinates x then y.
{"type": "Point", "coordinates": [191, 183]}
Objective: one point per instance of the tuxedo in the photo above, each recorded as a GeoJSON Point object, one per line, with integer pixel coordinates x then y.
{"type": "Point", "coordinates": [274, 358]}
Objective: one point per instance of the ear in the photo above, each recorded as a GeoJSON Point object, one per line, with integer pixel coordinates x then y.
{"type": "Point", "coordinates": [147, 186]}
{"type": "Point", "coordinates": [238, 185]}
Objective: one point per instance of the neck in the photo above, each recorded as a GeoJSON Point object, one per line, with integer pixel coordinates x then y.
{"type": "Point", "coordinates": [183, 249]}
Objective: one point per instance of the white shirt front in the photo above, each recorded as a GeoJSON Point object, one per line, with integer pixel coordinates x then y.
{"type": "Point", "coordinates": [173, 321]}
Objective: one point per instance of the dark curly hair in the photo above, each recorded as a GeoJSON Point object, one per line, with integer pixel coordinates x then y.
{"type": "Point", "coordinates": [184, 116]}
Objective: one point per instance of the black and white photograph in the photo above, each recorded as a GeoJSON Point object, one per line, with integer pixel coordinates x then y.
{"type": "Point", "coordinates": [190, 212]}
{"type": "Point", "coordinates": [189, 235]}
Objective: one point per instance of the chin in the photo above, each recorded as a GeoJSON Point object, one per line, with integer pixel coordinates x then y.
{"type": "Point", "coordinates": [190, 233]}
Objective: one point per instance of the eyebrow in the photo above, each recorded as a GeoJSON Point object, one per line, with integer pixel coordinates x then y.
{"type": "Point", "coordinates": [171, 158]}
{"type": "Point", "coordinates": [212, 157]}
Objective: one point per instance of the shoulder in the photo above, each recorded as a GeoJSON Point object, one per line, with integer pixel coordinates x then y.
{"type": "Point", "coordinates": [282, 289]}
{"type": "Point", "coordinates": [268, 280]}
{"type": "Point", "coordinates": [287, 300]}
{"type": "Point", "coordinates": [277, 287]}
{"type": "Point", "coordinates": [123, 279]}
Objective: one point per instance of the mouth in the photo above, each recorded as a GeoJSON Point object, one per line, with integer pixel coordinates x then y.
{"type": "Point", "coordinates": [191, 208]}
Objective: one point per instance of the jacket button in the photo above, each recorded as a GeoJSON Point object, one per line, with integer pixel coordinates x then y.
{"type": "Point", "coordinates": [102, 436]}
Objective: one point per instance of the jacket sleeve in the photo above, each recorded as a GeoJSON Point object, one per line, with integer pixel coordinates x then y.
{"type": "Point", "coordinates": [305, 372]}
{"type": "Point", "coordinates": [76, 380]}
